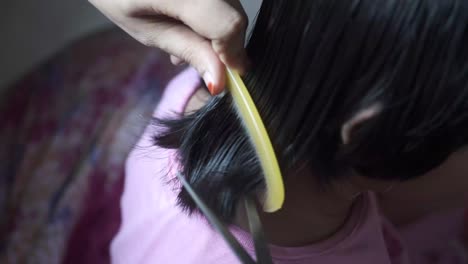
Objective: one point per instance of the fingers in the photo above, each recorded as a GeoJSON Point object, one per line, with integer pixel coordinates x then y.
{"type": "Point", "coordinates": [223, 22]}
{"type": "Point", "coordinates": [208, 34]}
{"type": "Point", "coordinates": [176, 60]}
{"type": "Point", "coordinates": [231, 48]}
{"type": "Point", "coordinates": [184, 44]}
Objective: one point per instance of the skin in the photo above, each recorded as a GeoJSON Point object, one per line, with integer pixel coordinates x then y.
{"type": "Point", "coordinates": [443, 188]}
{"type": "Point", "coordinates": [311, 214]}
{"type": "Point", "coordinates": [208, 34]}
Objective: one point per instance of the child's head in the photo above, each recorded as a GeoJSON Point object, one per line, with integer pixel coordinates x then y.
{"type": "Point", "coordinates": [379, 87]}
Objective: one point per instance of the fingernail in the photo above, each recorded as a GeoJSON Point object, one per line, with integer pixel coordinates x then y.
{"type": "Point", "coordinates": [211, 88]}
{"type": "Point", "coordinates": [208, 78]}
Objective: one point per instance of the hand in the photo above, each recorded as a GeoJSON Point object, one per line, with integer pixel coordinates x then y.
{"type": "Point", "coordinates": [208, 34]}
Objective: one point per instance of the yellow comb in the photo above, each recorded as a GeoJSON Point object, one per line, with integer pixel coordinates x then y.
{"type": "Point", "coordinates": [274, 197]}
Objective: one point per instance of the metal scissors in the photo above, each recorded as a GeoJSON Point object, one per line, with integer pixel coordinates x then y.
{"type": "Point", "coordinates": [274, 196]}
{"type": "Point", "coordinates": [261, 247]}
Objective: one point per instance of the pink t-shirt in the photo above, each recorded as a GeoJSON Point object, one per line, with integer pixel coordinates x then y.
{"type": "Point", "coordinates": [155, 230]}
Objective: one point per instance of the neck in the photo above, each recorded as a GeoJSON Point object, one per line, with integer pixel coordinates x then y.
{"type": "Point", "coordinates": [309, 215]}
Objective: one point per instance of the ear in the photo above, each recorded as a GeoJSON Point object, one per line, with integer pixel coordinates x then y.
{"type": "Point", "coordinates": [358, 119]}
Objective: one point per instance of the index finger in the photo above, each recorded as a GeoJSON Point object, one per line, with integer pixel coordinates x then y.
{"type": "Point", "coordinates": [222, 22]}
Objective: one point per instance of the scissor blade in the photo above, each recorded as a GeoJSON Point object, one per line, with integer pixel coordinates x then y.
{"type": "Point", "coordinates": [261, 246]}
{"type": "Point", "coordinates": [240, 252]}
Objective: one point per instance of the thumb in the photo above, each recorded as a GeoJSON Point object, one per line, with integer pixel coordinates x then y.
{"type": "Point", "coordinates": [180, 41]}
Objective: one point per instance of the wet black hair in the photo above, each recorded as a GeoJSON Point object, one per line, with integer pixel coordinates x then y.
{"type": "Point", "coordinates": [316, 63]}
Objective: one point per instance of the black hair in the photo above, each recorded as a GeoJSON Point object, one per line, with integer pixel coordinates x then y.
{"type": "Point", "coordinates": [316, 63]}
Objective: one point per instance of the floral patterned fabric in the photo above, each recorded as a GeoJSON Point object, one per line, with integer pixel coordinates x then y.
{"type": "Point", "coordinates": [66, 129]}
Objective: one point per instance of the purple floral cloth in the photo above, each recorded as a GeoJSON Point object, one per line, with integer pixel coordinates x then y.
{"type": "Point", "coordinates": [66, 129]}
